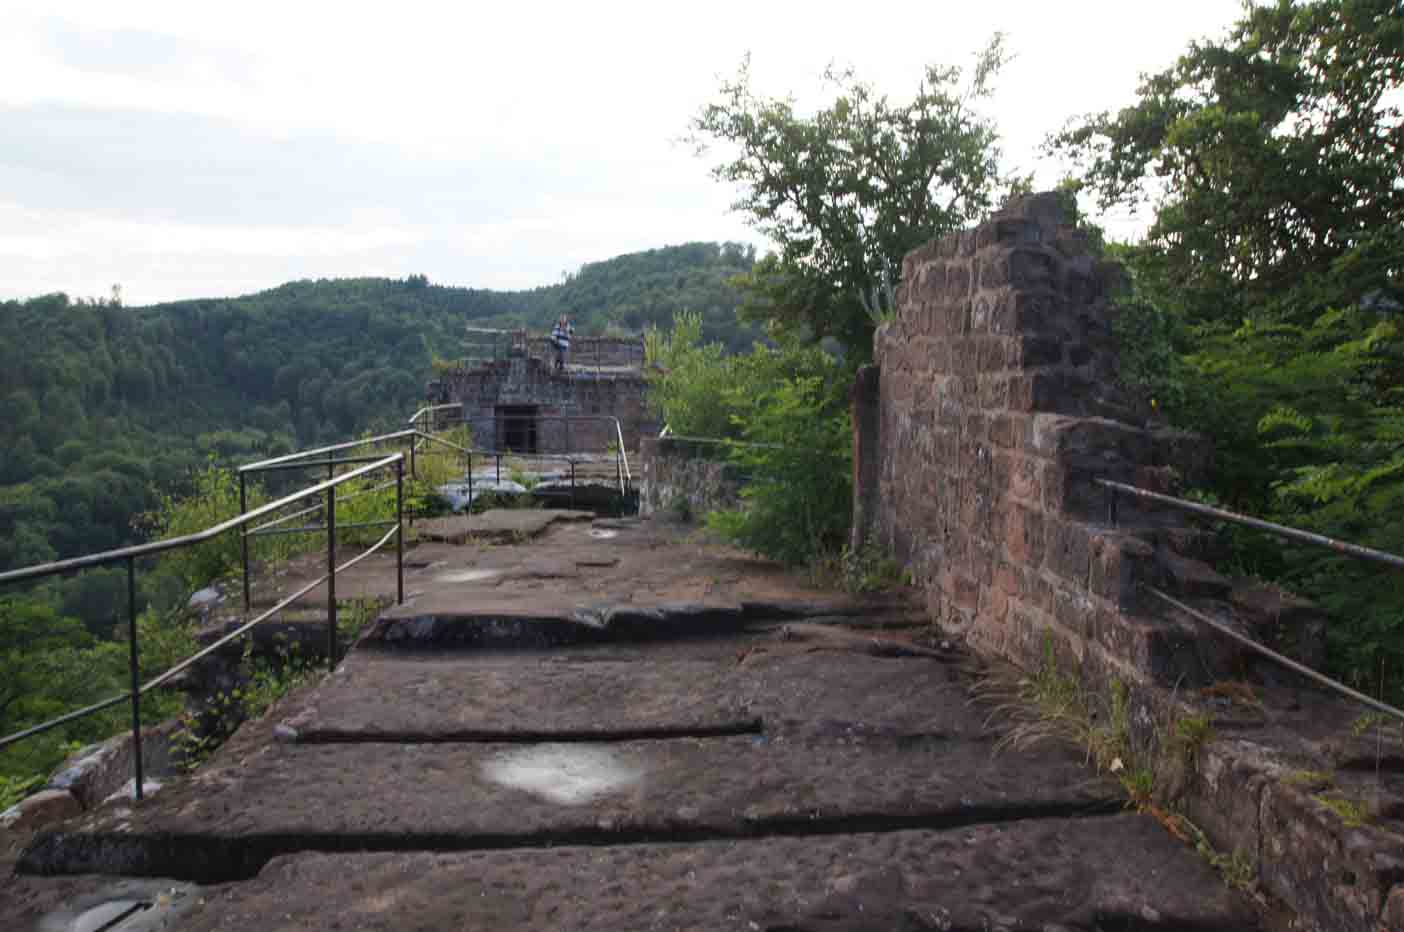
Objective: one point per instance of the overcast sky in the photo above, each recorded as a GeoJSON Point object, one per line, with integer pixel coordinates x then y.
{"type": "Point", "coordinates": [198, 149]}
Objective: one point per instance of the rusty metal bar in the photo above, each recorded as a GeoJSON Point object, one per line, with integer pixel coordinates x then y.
{"type": "Point", "coordinates": [263, 465]}
{"type": "Point", "coordinates": [141, 550]}
{"type": "Point", "coordinates": [400, 530]}
{"type": "Point", "coordinates": [318, 528]}
{"type": "Point", "coordinates": [331, 578]}
{"type": "Point", "coordinates": [1281, 530]}
{"type": "Point", "coordinates": [1271, 654]}
{"type": "Point", "coordinates": [134, 657]}
{"type": "Point", "coordinates": [306, 464]}
{"type": "Point", "coordinates": [244, 538]}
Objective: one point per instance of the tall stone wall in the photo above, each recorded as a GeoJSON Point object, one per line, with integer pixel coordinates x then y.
{"type": "Point", "coordinates": [991, 410]}
{"type": "Point", "coordinates": [996, 408]}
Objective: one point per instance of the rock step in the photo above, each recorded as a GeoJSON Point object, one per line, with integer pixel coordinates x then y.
{"type": "Point", "coordinates": [478, 619]}
{"type": "Point", "coordinates": [783, 686]}
{"type": "Point", "coordinates": [1116, 872]}
{"type": "Point", "coordinates": [259, 798]}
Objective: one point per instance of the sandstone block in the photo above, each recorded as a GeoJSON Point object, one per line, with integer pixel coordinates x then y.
{"type": "Point", "coordinates": [39, 810]}
{"type": "Point", "coordinates": [1119, 561]}
{"type": "Point", "coordinates": [1069, 549]}
{"type": "Point", "coordinates": [1190, 578]}
{"type": "Point", "coordinates": [1023, 535]}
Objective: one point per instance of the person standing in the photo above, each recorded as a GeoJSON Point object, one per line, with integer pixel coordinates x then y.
{"type": "Point", "coordinates": [560, 338]}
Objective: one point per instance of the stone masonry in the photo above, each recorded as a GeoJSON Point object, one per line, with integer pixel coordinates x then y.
{"type": "Point", "coordinates": [996, 408]}
{"type": "Point", "coordinates": [520, 402]}
{"type": "Point", "coordinates": [992, 408]}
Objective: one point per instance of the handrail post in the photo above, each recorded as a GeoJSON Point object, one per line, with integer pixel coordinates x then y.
{"type": "Point", "coordinates": [244, 536]}
{"type": "Point", "coordinates": [469, 506]}
{"type": "Point", "coordinates": [499, 468]}
{"type": "Point", "coordinates": [331, 578]}
{"type": "Point", "coordinates": [413, 442]}
{"type": "Point", "coordinates": [400, 532]}
{"type": "Point", "coordinates": [136, 677]}
{"type": "Point", "coordinates": [1111, 505]}
{"type": "Point", "coordinates": [572, 483]}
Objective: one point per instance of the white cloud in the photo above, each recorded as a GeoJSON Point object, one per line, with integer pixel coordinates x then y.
{"type": "Point", "coordinates": [196, 149]}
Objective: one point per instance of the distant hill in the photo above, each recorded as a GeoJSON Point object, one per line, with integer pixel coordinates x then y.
{"type": "Point", "coordinates": [101, 406]}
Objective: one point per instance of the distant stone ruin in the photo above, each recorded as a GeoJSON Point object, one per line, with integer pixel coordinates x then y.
{"type": "Point", "coordinates": [515, 399]}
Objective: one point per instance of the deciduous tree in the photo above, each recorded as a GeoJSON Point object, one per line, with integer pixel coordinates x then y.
{"type": "Point", "coordinates": [847, 191]}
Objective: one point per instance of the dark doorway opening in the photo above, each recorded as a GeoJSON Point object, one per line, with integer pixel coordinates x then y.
{"type": "Point", "coordinates": [516, 428]}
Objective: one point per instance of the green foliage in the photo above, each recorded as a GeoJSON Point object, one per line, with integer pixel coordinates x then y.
{"type": "Point", "coordinates": [50, 665]}
{"type": "Point", "coordinates": [688, 380]}
{"type": "Point", "coordinates": [1352, 812]}
{"type": "Point", "coordinates": [13, 789]}
{"type": "Point", "coordinates": [1265, 299]}
{"type": "Point", "coordinates": [352, 617]}
{"type": "Point", "coordinates": [1273, 158]}
{"type": "Point", "coordinates": [847, 191]}
{"type": "Point", "coordinates": [264, 682]}
{"type": "Point", "coordinates": [1309, 431]}
{"type": "Point", "coordinates": [786, 407]}
{"type": "Point", "coordinates": [868, 568]}
{"type": "Point", "coordinates": [213, 499]}
{"type": "Point", "coordinates": [114, 404]}
{"type": "Point", "coordinates": [798, 454]}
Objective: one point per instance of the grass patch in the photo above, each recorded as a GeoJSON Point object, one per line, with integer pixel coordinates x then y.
{"type": "Point", "coordinates": [1352, 812]}
{"type": "Point", "coordinates": [1308, 779]}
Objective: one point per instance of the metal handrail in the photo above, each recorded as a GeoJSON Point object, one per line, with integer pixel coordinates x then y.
{"type": "Point", "coordinates": [414, 418]}
{"type": "Point", "coordinates": [1281, 530]}
{"type": "Point", "coordinates": [131, 554]}
{"type": "Point", "coordinates": [264, 465]}
{"type": "Point", "coordinates": [58, 567]}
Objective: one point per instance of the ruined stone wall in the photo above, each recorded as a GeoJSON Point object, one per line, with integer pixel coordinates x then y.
{"type": "Point", "coordinates": [997, 408]}
{"type": "Point", "coordinates": [991, 409]}
{"type": "Point", "coordinates": [564, 403]}
{"type": "Point", "coordinates": [684, 479]}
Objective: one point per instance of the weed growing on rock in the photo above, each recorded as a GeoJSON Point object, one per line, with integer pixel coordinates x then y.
{"type": "Point", "coordinates": [352, 617]}
{"type": "Point", "coordinates": [266, 681]}
{"type": "Point", "coordinates": [1352, 812]}
{"type": "Point", "coordinates": [1308, 779]}
{"type": "Point", "coordinates": [1236, 868]}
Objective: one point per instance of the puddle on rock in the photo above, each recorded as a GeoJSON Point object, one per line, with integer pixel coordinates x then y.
{"type": "Point", "coordinates": [468, 576]}
{"type": "Point", "coordinates": [602, 535]}
{"type": "Point", "coordinates": [566, 774]}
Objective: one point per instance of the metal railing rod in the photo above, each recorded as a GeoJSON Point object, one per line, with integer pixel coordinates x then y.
{"type": "Point", "coordinates": [283, 520]}
{"type": "Point", "coordinates": [370, 491]}
{"type": "Point", "coordinates": [365, 553]}
{"type": "Point", "coordinates": [1287, 662]}
{"type": "Point", "coordinates": [348, 445]}
{"type": "Point", "coordinates": [231, 636]}
{"type": "Point", "coordinates": [160, 546]}
{"type": "Point", "coordinates": [431, 409]}
{"type": "Point", "coordinates": [303, 464]}
{"type": "Point", "coordinates": [443, 442]}
{"type": "Point", "coordinates": [64, 719]}
{"type": "Point", "coordinates": [318, 528]}
{"type": "Point", "coordinates": [164, 677]}
{"type": "Point", "coordinates": [1281, 530]}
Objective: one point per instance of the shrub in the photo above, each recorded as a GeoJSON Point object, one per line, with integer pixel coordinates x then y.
{"type": "Point", "coordinates": [797, 505]}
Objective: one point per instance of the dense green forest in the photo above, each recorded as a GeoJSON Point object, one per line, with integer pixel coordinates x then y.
{"type": "Point", "coordinates": [117, 421]}
{"type": "Point", "coordinates": [104, 405]}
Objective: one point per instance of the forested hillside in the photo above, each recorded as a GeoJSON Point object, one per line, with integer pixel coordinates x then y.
{"type": "Point", "coordinates": [103, 405]}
